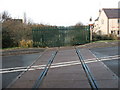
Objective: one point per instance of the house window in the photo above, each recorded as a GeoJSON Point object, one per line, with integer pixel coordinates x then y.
{"type": "Point", "coordinates": [111, 32]}
{"type": "Point", "coordinates": [118, 20]}
{"type": "Point", "coordinates": [118, 32]}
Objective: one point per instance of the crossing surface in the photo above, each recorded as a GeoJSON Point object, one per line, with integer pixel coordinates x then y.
{"type": "Point", "coordinates": [66, 70]}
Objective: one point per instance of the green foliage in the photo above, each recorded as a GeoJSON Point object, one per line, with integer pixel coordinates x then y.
{"type": "Point", "coordinates": [114, 37]}
{"type": "Point", "coordinates": [102, 37]}
{"type": "Point", "coordinates": [16, 33]}
{"type": "Point", "coordinates": [13, 31]}
{"type": "Point", "coordinates": [6, 39]}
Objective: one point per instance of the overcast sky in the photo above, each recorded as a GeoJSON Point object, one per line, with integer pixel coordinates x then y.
{"type": "Point", "coordinates": [56, 12]}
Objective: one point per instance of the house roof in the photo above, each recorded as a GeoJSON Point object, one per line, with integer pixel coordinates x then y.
{"type": "Point", "coordinates": [112, 13]}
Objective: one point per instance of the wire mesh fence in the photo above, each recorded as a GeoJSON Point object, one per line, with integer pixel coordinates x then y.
{"type": "Point", "coordinates": [60, 36]}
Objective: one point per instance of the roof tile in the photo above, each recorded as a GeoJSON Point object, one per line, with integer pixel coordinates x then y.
{"type": "Point", "coordinates": [112, 13]}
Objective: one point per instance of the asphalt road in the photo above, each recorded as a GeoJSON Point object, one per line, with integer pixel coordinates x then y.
{"type": "Point", "coordinates": [112, 64]}
{"type": "Point", "coordinates": [25, 60]}
{"type": "Point", "coordinates": [13, 62]}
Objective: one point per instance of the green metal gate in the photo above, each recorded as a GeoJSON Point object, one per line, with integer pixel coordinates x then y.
{"type": "Point", "coordinates": [60, 36]}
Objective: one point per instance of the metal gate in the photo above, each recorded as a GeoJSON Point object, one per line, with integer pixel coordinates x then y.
{"type": "Point", "coordinates": [60, 36]}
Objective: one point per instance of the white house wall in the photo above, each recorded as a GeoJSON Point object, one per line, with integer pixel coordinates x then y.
{"type": "Point", "coordinates": [105, 26]}
{"type": "Point", "coordinates": [113, 25]}
{"type": "Point", "coordinates": [96, 27]}
{"type": "Point", "coordinates": [102, 22]}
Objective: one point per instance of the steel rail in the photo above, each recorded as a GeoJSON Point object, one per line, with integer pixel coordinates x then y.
{"type": "Point", "coordinates": [44, 72]}
{"type": "Point", "coordinates": [27, 68]}
{"type": "Point", "coordinates": [89, 75]}
{"type": "Point", "coordinates": [24, 68]}
{"type": "Point", "coordinates": [19, 69]}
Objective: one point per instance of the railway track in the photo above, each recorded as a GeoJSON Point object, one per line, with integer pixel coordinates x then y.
{"type": "Point", "coordinates": [24, 69]}
{"type": "Point", "coordinates": [88, 73]}
{"type": "Point", "coordinates": [44, 72]}
{"type": "Point", "coordinates": [19, 69]}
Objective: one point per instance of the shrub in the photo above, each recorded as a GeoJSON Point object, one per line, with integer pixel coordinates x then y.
{"type": "Point", "coordinates": [114, 37]}
{"type": "Point", "coordinates": [26, 43]}
{"type": "Point", "coordinates": [97, 37]}
{"type": "Point", "coordinates": [7, 41]}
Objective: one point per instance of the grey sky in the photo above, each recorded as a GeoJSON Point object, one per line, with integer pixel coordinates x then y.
{"type": "Point", "coordinates": [57, 12]}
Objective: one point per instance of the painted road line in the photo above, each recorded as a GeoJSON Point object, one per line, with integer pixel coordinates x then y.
{"type": "Point", "coordinates": [55, 65]}
{"type": "Point", "coordinates": [102, 59]}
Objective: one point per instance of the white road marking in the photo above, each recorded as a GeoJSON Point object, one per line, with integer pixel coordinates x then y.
{"type": "Point", "coordinates": [55, 65]}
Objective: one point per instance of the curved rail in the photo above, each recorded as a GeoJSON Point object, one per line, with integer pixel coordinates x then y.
{"type": "Point", "coordinates": [89, 75]}
{"type": "Point", "coordinates": [44, 72]}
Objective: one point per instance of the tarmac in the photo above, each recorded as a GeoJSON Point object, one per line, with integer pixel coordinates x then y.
{"type": "Point", "coordinates": [66, 71]}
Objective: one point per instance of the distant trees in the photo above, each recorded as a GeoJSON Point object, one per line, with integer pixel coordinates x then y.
{"type": "Point", "coordinates": [79, 24]}
{"type": "Point", "coordinates": [6, 38]}
{"type": "Point", "coordinates": [5, 15]}
{"type": "Point", "coordinates": [13, 31]}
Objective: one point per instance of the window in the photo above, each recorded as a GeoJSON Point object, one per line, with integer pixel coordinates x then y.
{"type": "Point", "coordinates": [111, 32]}
{"type": "Point", "coordinates": [118, 32]}
{"type": "Point", "coordinates": [118, 20]}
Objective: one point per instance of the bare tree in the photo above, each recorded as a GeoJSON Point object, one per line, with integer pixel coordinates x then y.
{"type": "Point", "coordinates": [5, 15]}
{"type": "Point", "coordinates": [79, 24]}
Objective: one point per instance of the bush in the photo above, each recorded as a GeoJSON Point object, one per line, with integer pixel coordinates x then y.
{"type": "Point", "coordinates": [26, 43]}
{"type": "Point", "coordinates": [103, 37]}
{"type": "Point", "coordinates": [6, 39]}
{"type": "Point", "coordinates": [13, 31]}
{"type": "Point", "coordinates": [114, 37]}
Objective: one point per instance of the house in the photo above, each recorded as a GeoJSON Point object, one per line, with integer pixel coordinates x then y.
{"type": "Point", "coordinates": [108, 22]}
{"type": "Point", "coordinates": [15, 20]}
